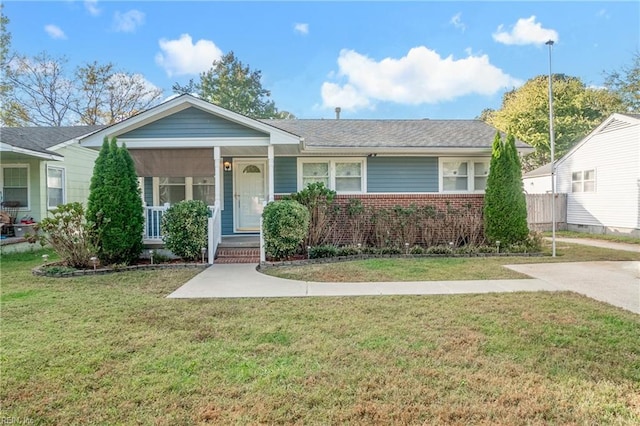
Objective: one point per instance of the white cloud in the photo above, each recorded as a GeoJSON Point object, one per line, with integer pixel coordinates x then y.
{"type": "Point", "coordinates": [181, 56]}
{"type": "Point", "coordinates": [456, 21]}
{"type": "Point", "coordinates": [301, 28]}
{"type": "Point", "coordinates": [525, 31]}
{"type": "Point", "coordinates": [128, 22]}
{"type": "Point", "coordinates": [421, 76]}
{"type": "Point", "coordinates": [55, 32]}
{"type": "Point", "coordinates": [92, 7]}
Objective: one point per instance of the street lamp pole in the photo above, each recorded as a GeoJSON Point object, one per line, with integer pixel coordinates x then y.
{"type": "Point", "coordinates": [553, 165]}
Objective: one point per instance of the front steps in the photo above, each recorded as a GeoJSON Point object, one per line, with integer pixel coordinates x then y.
{"type": "Point", "coordinates": [241, 249]}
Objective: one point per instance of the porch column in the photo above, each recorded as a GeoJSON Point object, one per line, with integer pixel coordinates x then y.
{"type": "Point", "coordinates": [271, 173]}
{"type": "Point", "coordinates": [217, 177]}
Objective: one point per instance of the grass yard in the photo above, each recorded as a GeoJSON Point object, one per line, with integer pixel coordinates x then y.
{"type": "Point", "coordinates": [442, 269]}
{"type": "Point", "coordinates": [112, 350]}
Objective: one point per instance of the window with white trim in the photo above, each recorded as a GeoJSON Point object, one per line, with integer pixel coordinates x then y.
{"type": "Point", "coordinates": [15, 184]}
{"type": "Point", "coordinates": [463, 175]}
{"type": "Point", "coordinates": [55, 187]}
{"type": "Point", "coordinates": [583, 181]}
{"type": "Point", "coordinates": [175, 189]}
{"type": "Point", "coordinates": [344, 175]}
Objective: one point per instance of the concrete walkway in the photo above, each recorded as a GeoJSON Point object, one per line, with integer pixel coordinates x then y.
{"type": "Point", "coordinates": [617, 283]}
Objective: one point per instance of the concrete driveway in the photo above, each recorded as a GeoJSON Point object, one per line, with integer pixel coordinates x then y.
{"type": "Point", "coordinates": [616, 283]}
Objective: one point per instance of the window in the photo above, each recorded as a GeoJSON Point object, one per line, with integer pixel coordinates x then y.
{"type": "Point", "coordinates": [583, 181]}
{"type": "Point", "coordinates": [15, 184]}
{"type": "Point", "coordinates": [172, 190]}
{"type": "Point", "coordinates": [315, 172]}
{"type": "Point", "coordinates": [175, 189]}
{"type": "Point", "coordinates": [341, 175]}
{"type": "Point", "coordinates": [204, 189]}
{"type": "Point", "coordinates": [55, 187]}
{"type": "Point", "coordinates": [464, 175]}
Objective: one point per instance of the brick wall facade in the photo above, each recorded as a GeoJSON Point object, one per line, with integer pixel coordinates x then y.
{"type": "Point", "coordinates": [421, 219]}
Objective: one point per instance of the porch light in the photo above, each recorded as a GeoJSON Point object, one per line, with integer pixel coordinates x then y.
{"type": "Point", "coordinates": [227, 166]}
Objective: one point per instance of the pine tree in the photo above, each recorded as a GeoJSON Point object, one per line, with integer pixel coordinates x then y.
{"type": "Point", "coordinates": [115, 206]}
{"type": "Point", "coordinates": [505, 208]}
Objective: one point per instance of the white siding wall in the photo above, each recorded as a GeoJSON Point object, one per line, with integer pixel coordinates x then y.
{"type": "Point", "coordinates": [537, 185]}
{"type": "Point", "coordinates": [615, 156]}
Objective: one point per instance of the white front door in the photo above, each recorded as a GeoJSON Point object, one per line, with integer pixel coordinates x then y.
{"type": "Point", "coordinates": [250, 192]}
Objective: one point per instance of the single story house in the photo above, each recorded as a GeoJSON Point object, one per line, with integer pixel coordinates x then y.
{"type": "Point", "coordinates": [188, 148]}
{"type": "Point", "coordinates": [42, 167]}
{"type": "Point", "coordinates": [601, 177]}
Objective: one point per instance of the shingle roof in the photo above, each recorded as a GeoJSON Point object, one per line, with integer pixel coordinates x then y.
{"type": "Point", "coordinates": [40, 139]}
{"type": "Point", "coordinates": [391, 133]}
{"type": "Point", "coordinates": [544, 170]}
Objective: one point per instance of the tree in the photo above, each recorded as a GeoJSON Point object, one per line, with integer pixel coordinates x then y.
{"type": "Point", "coordinates": [234, 86]}
{"type": "Point", "coordinates": [115, 211]}
{"type": "Point", "coordinates": [41, 89]}
{"type": "Point", "coordinates": [47, 95]}
{"type": "Point", "coordinates": [108, 96]}
{"type": "Point", "coordinates": [626, 84]}
{"type": "Point", "coordinates": [505, 208]}
{"type": "Point", "coordinates": [577, 110]}
{"type": "Point", "coordinates": [11, 113]}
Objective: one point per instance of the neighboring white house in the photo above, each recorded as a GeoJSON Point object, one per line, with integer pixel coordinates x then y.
{"type": "Point", "coordinates": [538, 181]}
{"type": "Point", "coordinates": [601, 177]}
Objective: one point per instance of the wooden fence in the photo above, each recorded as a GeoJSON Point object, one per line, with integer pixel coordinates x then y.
{"type": "Point", "coordinates": [539, 212]}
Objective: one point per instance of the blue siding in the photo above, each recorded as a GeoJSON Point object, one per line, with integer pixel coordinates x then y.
{"type": "Point", "coordinates": [192, 123]}
{"type": "Point", "coordinates": [285, 175]}
{"type": "Point", "coordinates": [148, 191]}
{"type": "Point", "coordinates": [402, 174]}
{"type": "Point", "coordinates": [227, 213]}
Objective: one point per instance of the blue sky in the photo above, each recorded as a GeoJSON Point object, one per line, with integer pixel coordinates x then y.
{"type": "Point", "coordinates": [373, 59]}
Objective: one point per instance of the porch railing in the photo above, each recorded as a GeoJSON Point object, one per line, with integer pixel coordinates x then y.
{"type": "Point", "coordinates": [214, 233]}
{"type": "Point", "coordinates": [153, 219]}
{"type": "Point", "coordinates": [153, 232]}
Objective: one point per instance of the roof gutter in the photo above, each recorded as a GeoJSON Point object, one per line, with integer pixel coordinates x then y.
{"type": "Point", "coordinates": [4, 147]}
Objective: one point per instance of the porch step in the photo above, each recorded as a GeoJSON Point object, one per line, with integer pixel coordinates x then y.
{"type": "Point", "coordinates": [238, 255]}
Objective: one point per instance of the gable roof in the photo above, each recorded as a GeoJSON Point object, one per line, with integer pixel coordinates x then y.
{"type": "Point", "coordinates": [544, 170]}
{"type": "Point", "coordinates": [41, 141]}
{"type": "Point", "coordinates": [612, 123]}
{"type": "Point", "coordinates": [181, 103]}
{"type": "Point", "coordinates": [392, 134]}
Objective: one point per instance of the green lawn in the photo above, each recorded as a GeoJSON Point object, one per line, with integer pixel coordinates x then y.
{"type": "Point", "coordinates": [112, 350]}
{"type": "Point", "coordinates": [442, 269]}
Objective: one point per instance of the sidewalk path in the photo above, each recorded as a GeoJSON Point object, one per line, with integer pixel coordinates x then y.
{"type": "Point", "coordinates": [600, 243]}
{"type": "Point", "coordinates": [616, 283]}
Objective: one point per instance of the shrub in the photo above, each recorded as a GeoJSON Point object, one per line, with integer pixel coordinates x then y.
{"type": "Point", "coordinates": [417, 250]}
{"type": "Point", "coordinates": [318, 199]}
{"type": "Point", "coordinates": [184, 228]}
{"type": "Point", "coordinates": [348, 251]}
{"type": "Point", "coordinates": [115, 210]}
{"type": "Point", "coordinates": [285, 226]}
{"type": "Point", "coordinates": [439, 250]}
{"type": "Point", "coordinates": [68, 234]}
{"type": "Point", "coordinates": [324, 251]}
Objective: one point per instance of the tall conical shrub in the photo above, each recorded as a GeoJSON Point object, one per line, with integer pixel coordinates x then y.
{"type": "Point", "coordinates": [505, 208]}
{"type": "Point", "coordinates": [115, 210]}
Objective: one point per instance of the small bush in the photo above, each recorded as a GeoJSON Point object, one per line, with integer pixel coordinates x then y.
{"type": "Point", "coordinates": [348, 251]}
{"type": "Point", "coordinates": [285, 226]}
{"type": "Point", "coordinates": [390, 250]}
{"type": "Point", "coordinates": [417, 250]}
{"type": "Point", "coordinates": [68, 234]}
{"type": "Point", "coordinates": [184, 228]}
{"type": "Point", "coordinates": [320, 252]}
{"type": "Point", "coordinates": [439, 250]}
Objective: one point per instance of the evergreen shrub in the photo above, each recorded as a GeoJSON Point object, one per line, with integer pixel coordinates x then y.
{"type": "Point", "coordinates": [285, 226]}
{"type": "Point", "coordinates": [184, 229]}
